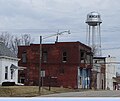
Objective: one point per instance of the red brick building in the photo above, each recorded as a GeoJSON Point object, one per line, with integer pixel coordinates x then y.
{"type": "Point", "coordinates": [66, 64]}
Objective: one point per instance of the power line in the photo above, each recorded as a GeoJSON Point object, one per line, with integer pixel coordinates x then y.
{"type": "Point", "coordinates": [113, 48]}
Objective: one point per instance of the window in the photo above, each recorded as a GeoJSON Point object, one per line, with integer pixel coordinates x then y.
{"type": "Point", "coordinates": [81, 74]}
{"type": "Point", "coordinates": [82, 54]}
{"type": "Point", "coordinates": [88, 58]}
{"type": "Point", "coordinates": [61, 70]}
{"type": "Point", "coordinates": [6, 72]}
{"type": "Point", "coordinates": [12, 73]}
{"type": "Point", "coordinates": [45, 55]}
{"type": "Point", "coordinates": [96, 16]}
{"type": "Point", "coordinates": [24, 57]}
{"type": "Point", "coordinates": [64, 56]}
{"type": "Point", "coordinates": [80, 80]}
{"type": "Point", "coordinates": [89, 16]}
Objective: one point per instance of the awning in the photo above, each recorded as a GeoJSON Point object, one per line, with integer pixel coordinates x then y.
{"type": "Point", "coordinates": [13, 67]}
{"type": "Point", "coordinates": [116, 79]}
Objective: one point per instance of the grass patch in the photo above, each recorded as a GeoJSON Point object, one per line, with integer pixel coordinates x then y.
{"type": "Point", "coordinates": [29, 91]}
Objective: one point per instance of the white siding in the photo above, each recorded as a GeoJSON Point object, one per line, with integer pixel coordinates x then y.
{"type": "Point", "coordinates": [98, 81]}
{"type": "Point", "coordinates": [0, 71]}
{"type": "Point", "coordinates": [8, 62]}
{"type": "Point", "coordinates": [100, 76]}
{"type": "Point", "coordinates": [110, 72]}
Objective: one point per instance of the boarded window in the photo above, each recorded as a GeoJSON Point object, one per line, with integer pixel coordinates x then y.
{"type": "Point", "coordinates": [45, 56]}
{"type": "Point", "coordinates": [88, 58]}
{"type": "Point", "coordinates": [24, 57]}
{"type": "Point", "coordinates": [61, 70]}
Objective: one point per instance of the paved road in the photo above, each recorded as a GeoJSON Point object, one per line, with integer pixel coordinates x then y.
{"type": "Point", "coordinates": [87, 94]}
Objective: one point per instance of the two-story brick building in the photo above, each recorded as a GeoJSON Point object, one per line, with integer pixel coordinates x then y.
{"type": "Point", "coordinates": [66, 64]}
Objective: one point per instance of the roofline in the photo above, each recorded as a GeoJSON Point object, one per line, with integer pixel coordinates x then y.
{"type": "Point", "coordinates": [58, 43]}
{"type": "Point", "coordinates": [72, 42]}
{"type": "Point", "coordinates": [12, 58]}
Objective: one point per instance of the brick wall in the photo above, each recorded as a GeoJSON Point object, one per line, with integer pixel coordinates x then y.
{"type": "Point", "coordinates": [57, 72]}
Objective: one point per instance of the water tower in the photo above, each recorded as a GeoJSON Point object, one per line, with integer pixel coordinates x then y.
{"type": "Point", "coordinates": [93, 34]}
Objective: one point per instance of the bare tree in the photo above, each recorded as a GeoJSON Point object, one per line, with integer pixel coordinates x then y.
{"type": "Point", "coordinates": [13, 41]}
{"type": "Point", "coordinates": [5, 37]}
{"type": "Point", "coordinates": [26, 39]}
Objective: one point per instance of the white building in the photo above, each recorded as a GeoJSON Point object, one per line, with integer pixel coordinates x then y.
{"type": "Point", "coordinates": [111, 70]}
{"type": "Point", "coordinates": [8, 66]}
{"type": "Point", "coordinates": [105, 73]}
{"type": "Point", "coordinates": [99, 72]}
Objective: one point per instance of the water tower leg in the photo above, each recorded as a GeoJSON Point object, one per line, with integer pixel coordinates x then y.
{"type": "Point", "coordinates": [87, 34]}
{"type": "Point", "coordinates": [89, 37]}
{"type": "Point", "coordinates": [100, 40]}
{"type": "Point", "coordinates": [93, 39]}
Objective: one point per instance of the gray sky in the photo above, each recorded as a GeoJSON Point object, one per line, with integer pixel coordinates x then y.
{"type": "Point", "coordinates": [45, 17]}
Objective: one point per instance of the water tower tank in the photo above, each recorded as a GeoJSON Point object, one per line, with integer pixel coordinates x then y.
{"type": "Point", "coordinates": [93, 19]}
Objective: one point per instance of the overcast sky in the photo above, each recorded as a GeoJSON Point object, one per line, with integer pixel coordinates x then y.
{"type": "Point", "coordinates": [45, 17]}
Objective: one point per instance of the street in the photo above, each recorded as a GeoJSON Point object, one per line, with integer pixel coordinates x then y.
{"type": "Point", "coordinates": [106, 93]}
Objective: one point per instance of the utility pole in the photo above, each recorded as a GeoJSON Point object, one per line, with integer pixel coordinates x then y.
{"type": "Point", "coordinates": [40, 65]}
{"type": "Point", "coordinates": [59, 33]}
